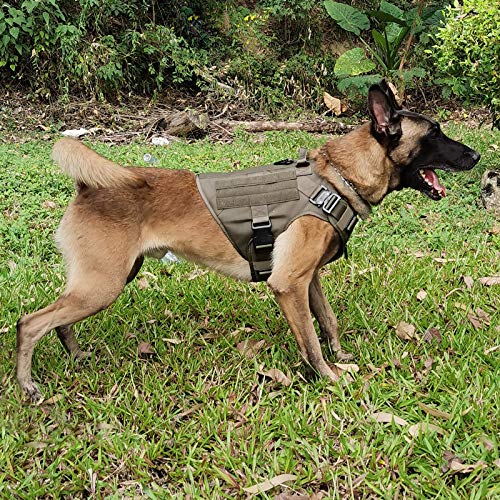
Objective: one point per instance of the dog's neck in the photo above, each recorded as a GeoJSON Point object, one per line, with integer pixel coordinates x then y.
{"type": "Point", "coordinates": [355, 164]}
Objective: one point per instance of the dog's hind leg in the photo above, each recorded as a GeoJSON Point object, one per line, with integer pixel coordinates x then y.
{"type": "Point", "coordinates": [89, 291]}
{"type": "Point", "coordinates": [327, 320]}
{"type": "Point", "coordinates": [66, 334]}
{"type": "Point", "coordinates": [67, 337]}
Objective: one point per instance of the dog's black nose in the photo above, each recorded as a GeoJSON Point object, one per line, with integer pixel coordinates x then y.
{"type": "Point", "coordinates": [474, 155]}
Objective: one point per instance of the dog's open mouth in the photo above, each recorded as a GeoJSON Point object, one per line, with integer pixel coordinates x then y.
{"type": "Point", "coordinates": [431, 185]}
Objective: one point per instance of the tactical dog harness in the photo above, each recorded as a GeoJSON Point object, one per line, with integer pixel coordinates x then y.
{"type": "Point", "coordinates": [254, 206]}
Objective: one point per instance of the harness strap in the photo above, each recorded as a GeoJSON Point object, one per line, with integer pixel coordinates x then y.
{"type": "Point", "coordinates": [262, 243]}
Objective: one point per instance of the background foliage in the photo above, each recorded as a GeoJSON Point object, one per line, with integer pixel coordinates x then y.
{"type": "Point", "coordinates": [274, 55]}
{"type": "Point", "coordinates": [467, 53]}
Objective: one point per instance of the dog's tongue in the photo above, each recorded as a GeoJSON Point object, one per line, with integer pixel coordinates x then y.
{"type": "Point", "coordinates": [432, 178]}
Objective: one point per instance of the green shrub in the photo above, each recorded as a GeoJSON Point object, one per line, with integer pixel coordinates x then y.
{"type": "Point", "coordinates": [26, 31]}
{"type": "Point", "coordinates": [467, 53]}
{"type": "Point", "coordinates": [95, 48]}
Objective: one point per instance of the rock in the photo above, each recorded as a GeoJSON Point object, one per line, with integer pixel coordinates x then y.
{"type": "Point", "coordinates": [490, 190]}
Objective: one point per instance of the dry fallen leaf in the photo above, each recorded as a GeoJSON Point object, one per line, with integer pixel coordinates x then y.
{"type": "Point", "coordinates": [491, 349]}
{"type": "Point", "coordinates": [475, 321]}
{"type": "Point", "coordinates": [483, 315]}
{"type": "Point", "coordinates": [37, 445]}
{"type": "Point", "coordinates": [334, 104]}
{"type": "Point", "coordinates": [144, 349]}
{"type": "Point", "coordinates": [103, 426]}
{"type": "Point", "coordinates": [49, 204]}
{"type": "Point", "coordinates": [421, 295]}
{"type": "Point", "coordinates": [172, 341]}
{"type": "Point", "coordinates": [432, 334]}
{"type": "Point", "coordinates": [395, 92]}
{"type": "Point", "coordinates": [277, 376]}
{"type": "Point", "coordinates": [286, 496]}
{"type": "Point", "coordinates": [490, 280]}
{"type": "Point", "coordinates": [241, 329]}
{"type": "Point", "coordinates": [487, 443]}
{"type": "Point", "coordinates": [269, 484]}
{"type": "Point", "coordinates": [497, 462]}
{"type": "Point", "coordinates": [469, 282]}
{"type": "Point", "coordinates": [53, 399]}
{"type": "Point", "coordinates": [347, 367]}
{"type": "Point", "coordinates": [424, 427]}
{"type": "Point", "coordinates": [434, 412]}
{"type": "Point", "coordinates": [458, 467]}
{"type": "Point", "coordinates": [250, 347]}
{"type": "Point", "coordinates": [142, 283]}
{"type": "Point", "coordinates": [428, 365]}
{"type": "Point", "coordinates": [405, 331]}
{"type": "Point", "coordinates": [196, 273]}
{"type": "Point", "coordinates": [385, 417]}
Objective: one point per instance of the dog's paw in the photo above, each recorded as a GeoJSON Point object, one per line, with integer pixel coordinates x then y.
{"type": "Point", "coordinates": [344, 356]}
{"type": "Point", "coordinates": [33, 393]}
{"type": "Point", "coordinates": [81, 355]}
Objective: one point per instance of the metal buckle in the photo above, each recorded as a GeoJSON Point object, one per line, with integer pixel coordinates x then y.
{"type": "Point", "coordinates": [330, 203]}
{"type": "Point", "coordinates": [320, 195]}
{"type": "Point", "coordinates": [262, 246]}
{"type": "Point", "coordinates": [262, 237]}
{"type": "Point", "coordinates": [266, 272]}
{"type": "Point", "coordinates": [261, 225]}
{"type": "Point", "coordinates": [325, 199]}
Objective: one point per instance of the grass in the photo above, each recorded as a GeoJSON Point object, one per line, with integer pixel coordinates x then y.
{"type": "Point", "coordinates": [196, 418]}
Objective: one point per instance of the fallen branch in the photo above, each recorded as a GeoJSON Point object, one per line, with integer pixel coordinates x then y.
{"type": "Point", "coordinates": [322, 126]}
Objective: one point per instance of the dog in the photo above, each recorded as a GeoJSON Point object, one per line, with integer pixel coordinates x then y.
{"type": "Point", "coordinates": [120, 215]}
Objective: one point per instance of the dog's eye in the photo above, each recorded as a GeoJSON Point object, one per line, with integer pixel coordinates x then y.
{"type": "Point", "coordinates": [433, 132]}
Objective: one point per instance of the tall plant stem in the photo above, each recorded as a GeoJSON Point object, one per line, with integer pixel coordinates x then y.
{"type": "Point", "coordinates": [421, 4]}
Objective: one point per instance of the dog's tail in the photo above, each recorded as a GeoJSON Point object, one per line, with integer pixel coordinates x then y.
{"type": "Point", "coordinates": [90, 169]}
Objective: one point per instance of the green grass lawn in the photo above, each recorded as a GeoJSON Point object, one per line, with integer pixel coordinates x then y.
{"type": "Point", "coordinates": [196, 418]}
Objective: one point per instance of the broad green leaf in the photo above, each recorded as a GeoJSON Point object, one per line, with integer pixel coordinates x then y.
{"type": "Point", "coordinates": [395, 28]}
{"type": "Point", "coordinates": [392, 10]}
{"type": "Point", "coordinates": [353, 62]}
{"type": "Point", "coordinates": [379, 39]}
{"type": "Point", "coordinates": [357, 83]}
{"type": "Point", "coordinates": [348, 18]}
{"type": "Point", "coordinates": [14, 31]}
{"type": "Point", "coordinates": [384, 16]}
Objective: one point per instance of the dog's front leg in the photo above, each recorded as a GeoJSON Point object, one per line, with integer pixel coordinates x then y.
{"type": "Point", "coordinates": [294, 302]}
{"type": "Point", "coordinates": [296, 257]}
{"type": "Point", "coordinates": [327, 320]}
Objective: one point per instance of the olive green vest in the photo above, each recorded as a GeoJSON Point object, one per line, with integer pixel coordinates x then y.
{"type": "Point", "coordinates": [254, 206]}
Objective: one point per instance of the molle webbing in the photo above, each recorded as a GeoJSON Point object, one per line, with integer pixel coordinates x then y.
{"type": "Point", "coordinates": [254, 206]}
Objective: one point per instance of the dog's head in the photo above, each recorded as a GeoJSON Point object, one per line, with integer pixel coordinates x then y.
{"type": "Point", "coordinates": [415, 144]}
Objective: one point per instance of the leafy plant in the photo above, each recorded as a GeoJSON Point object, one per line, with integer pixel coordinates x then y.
{"type": "Point", "coordinates": [467, 54]}
{"type": "Point", "coordinates": [389, 27]}
{"type": "Point", "coordinates": [26, 31]}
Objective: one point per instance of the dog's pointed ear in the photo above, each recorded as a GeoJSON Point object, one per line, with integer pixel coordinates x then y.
{"type": "Point", "coordinates": [386, 88]}
{"type": "Point", "coordinates": [383, 110]}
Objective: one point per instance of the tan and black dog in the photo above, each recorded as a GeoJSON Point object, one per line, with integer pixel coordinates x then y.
{"type": "Point", "coordinates": [122, 214]}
